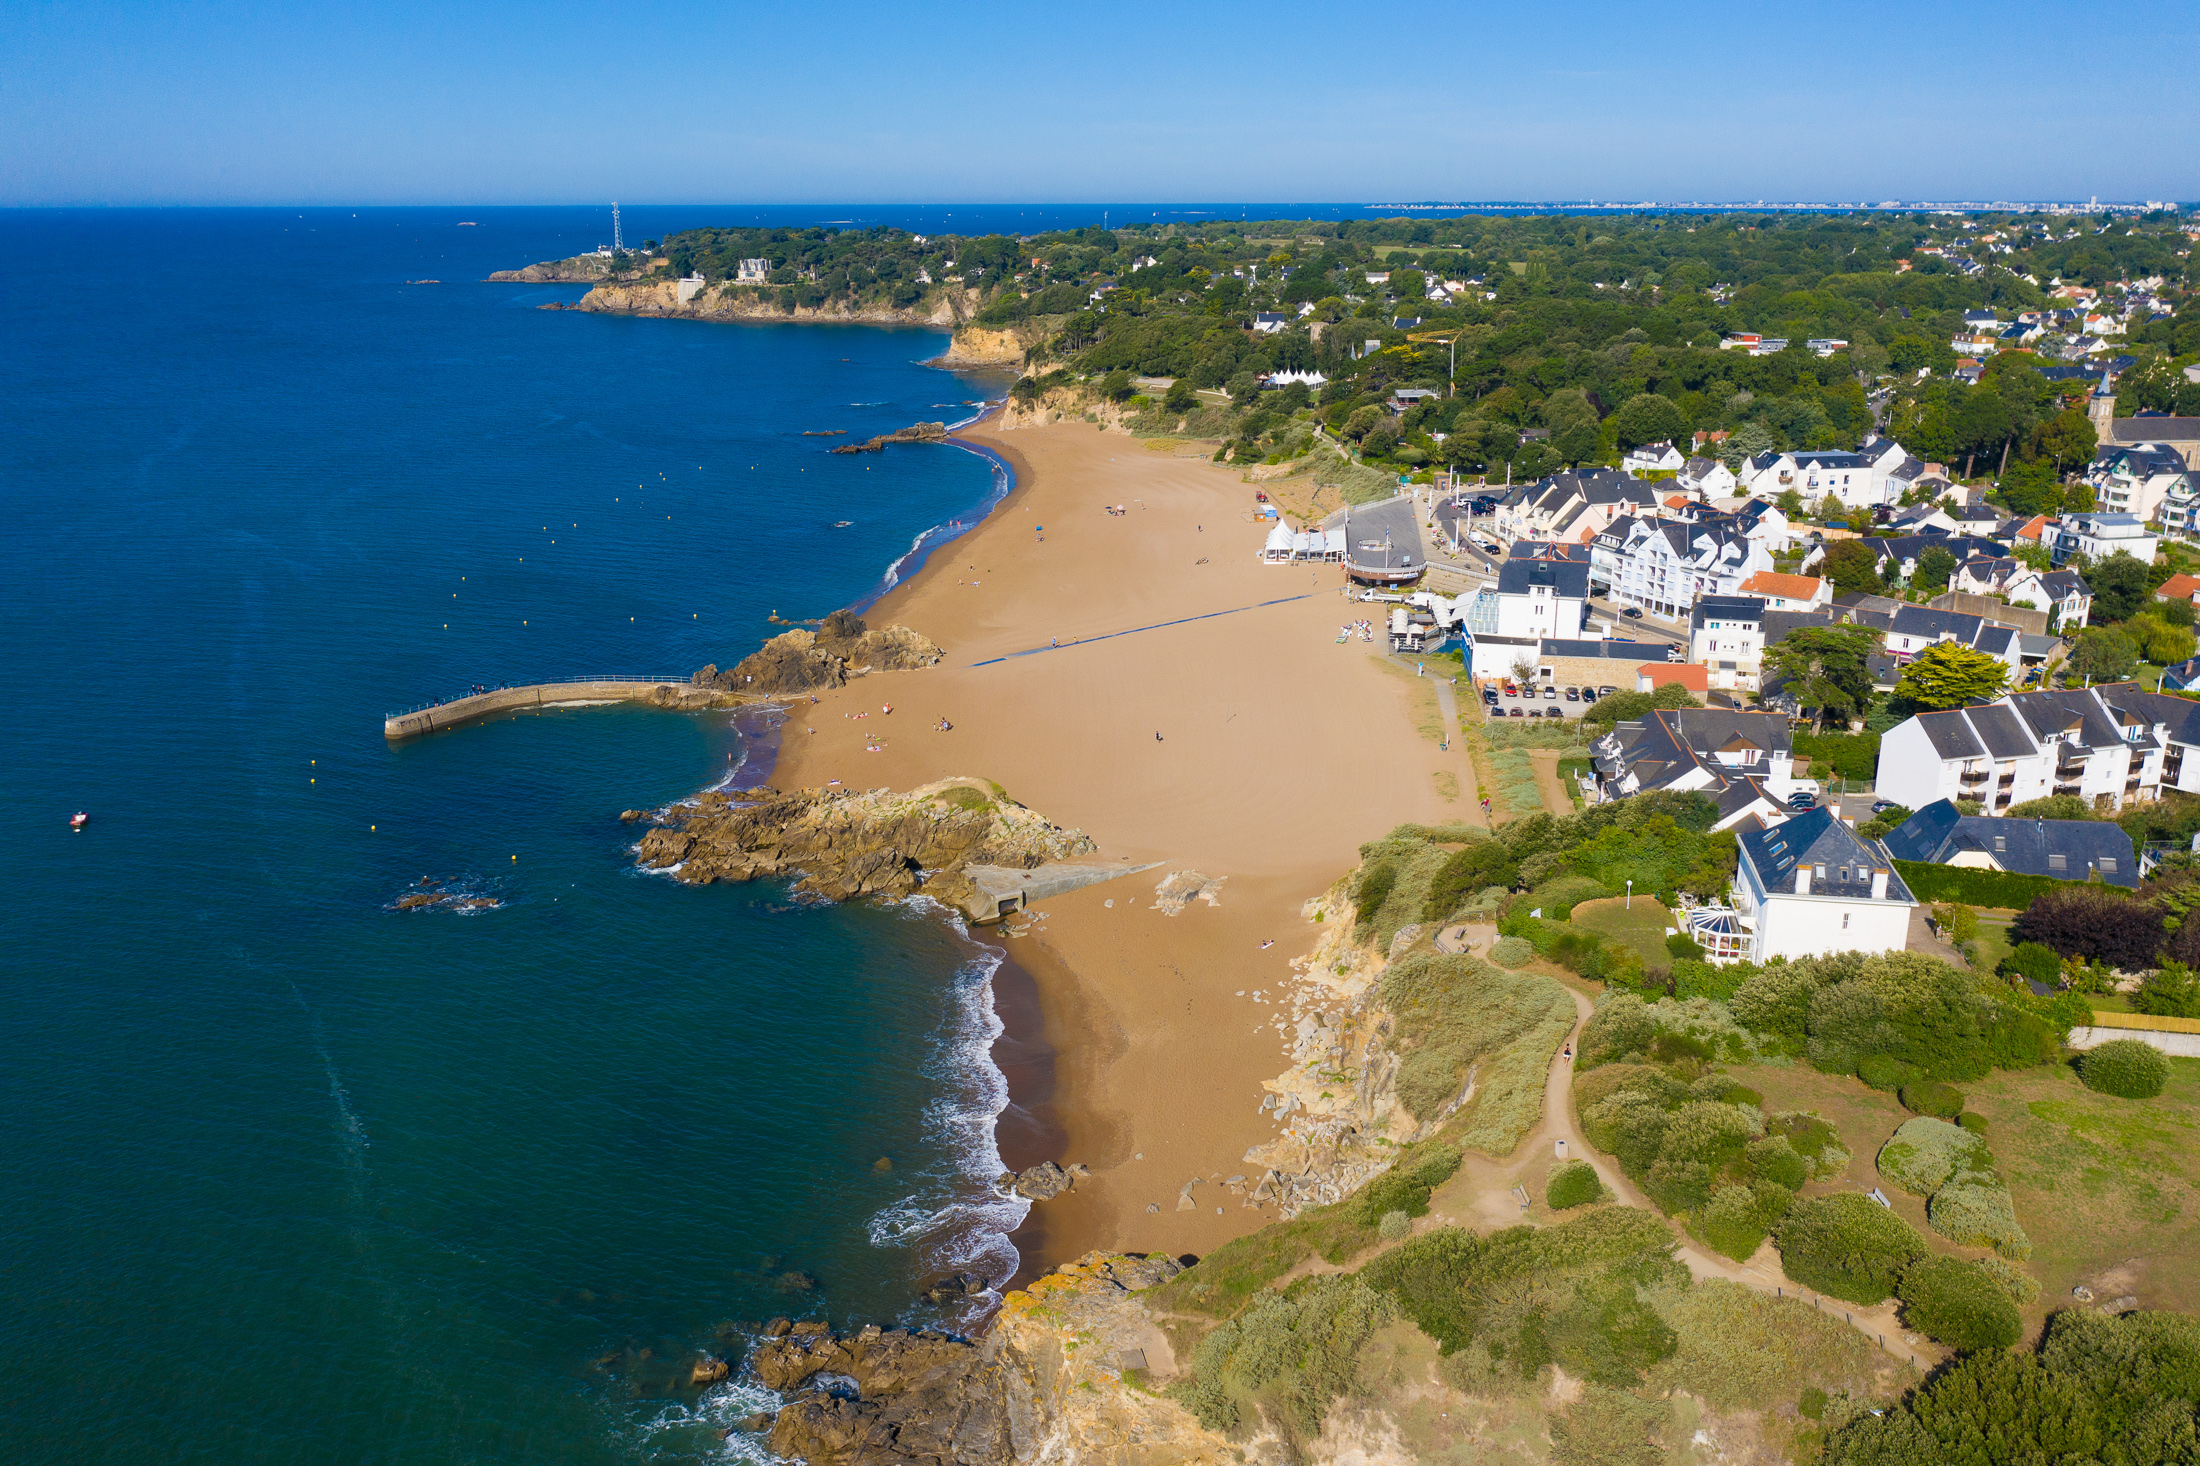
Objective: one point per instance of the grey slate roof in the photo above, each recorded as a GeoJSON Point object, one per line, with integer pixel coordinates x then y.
{"type": "Point", "coordinates": [1951, 734]}
{"type": "Point", "coordinates": [1937, 834]}
{"type": "Point", "coordinates": [1818, 839]}
{"type": "Point", "coordinates": [2047, 714]}
{"type": "Point", "coordinates": [1569, 578]}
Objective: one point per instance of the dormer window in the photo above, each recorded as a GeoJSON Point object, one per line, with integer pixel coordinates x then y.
{"type": "Point", "coordinates": [2058, 862]}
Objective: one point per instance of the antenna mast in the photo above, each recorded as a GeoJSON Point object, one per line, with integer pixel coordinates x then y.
{"type": "Point", "coordinates": [618, 245]}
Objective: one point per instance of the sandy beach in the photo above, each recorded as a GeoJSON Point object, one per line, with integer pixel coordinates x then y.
{"type": "Point", "coordinates": [1278, 753]}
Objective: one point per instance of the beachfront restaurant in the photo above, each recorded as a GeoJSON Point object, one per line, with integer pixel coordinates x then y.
{"type": "Point", "coordinates": [1383, 542]}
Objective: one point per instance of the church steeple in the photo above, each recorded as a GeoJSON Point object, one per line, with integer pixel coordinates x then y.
{"type": "Point", "coordinates": [2100, 410]}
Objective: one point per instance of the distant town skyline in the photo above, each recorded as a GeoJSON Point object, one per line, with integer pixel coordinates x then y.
{"type": "Point", "coordinates": [230, 103]}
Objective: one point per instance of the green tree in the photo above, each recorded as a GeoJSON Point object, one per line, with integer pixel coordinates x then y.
{"type": "Point", "coordinates": [2068, 439]}
{"type": "Point", "coordinates": [1792, 505]}
{"type": "Point", "coordinates": [1648, 418]}
{"type": "Point", "coordinates": [1946, 675]}
{"type": "Point", "coordinates": [1827, 668]}
{"type": "Point", "coordinates": [1180, 397]}
{"type": "Point", "coordinates": [2119, 585]}
{"type": "Point", "coordinates": [1852, 568]}
{"type": "Point", "coordinates": [1934, 567]}
{"type": "Point", "coordinates": [2104, 654]}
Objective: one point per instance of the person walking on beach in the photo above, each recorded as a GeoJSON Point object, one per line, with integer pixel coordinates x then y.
{"type": "Point", "coordinates": [1157, 735]}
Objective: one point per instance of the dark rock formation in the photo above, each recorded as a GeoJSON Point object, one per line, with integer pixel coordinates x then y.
{"type": "Point", "coordinates": [923, 432]}
{"type": "Point", "coordinates": [812, 661]}
{"type": "Point", "coordinates": [954, 1286]}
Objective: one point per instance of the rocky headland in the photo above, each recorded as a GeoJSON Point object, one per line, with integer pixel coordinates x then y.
{"type": "Point", "coordinates": [1046, 1383]}
{"type": "Point", "coordinates": [960, 841]}
{"type": "Point", "coordinates": [580, 270]}
{"type": "Point", "coordinates": [804, 661]}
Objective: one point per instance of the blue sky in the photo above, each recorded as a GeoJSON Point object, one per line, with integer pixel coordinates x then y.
{"type": "Point", "coordinates": [228, 101]}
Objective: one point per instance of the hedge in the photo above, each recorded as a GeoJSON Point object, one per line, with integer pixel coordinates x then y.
{"type": "Point", "coordinates": [2000, 889]}
{"type": "Point", "coordinates": [1574, 1184]}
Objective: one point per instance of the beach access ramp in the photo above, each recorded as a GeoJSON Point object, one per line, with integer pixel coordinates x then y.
{"type": "Point", "coordinates": [1013, 890]}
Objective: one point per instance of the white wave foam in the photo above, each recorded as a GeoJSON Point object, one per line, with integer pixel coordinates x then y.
{"type": "Point", "coordinates": [960, 1222]}
{"type": "Point", "coordinates": [692, 1432]}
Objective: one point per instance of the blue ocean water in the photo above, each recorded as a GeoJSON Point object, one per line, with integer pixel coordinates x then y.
{"type": "Point", "coordinates": [290, 1176]}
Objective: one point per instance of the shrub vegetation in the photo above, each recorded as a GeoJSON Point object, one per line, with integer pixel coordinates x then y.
{"type": "Point", "coordinates": [1847, 1246]}
{"type": "Point", "coordinates": [1574, 1184]}
{"type": "Point", "coordinates": [2124, 1067]}
{"type": "Point", "coordinates": [1959, 1304]}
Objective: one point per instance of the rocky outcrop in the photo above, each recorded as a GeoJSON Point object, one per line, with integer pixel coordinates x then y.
{"type": "Point", "coordinates": [944, 306]}
{"type": "Point", "coordinates": [579, 270]}
{"type": "Point", "coordinates": [802, 661]}
{"type": "Point", "coordinates": [845, 845]}
{"type": "Point", "coordinates": [1046, 1383]}
{"type": "Point", "coordinates": [923, 432]}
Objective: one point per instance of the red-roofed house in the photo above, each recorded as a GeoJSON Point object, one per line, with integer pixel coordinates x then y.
{"type": "Point", "coordinates": [1651, 676]}
{"type": "Point", "coordinates": [1788, 592]}
{"type": "Point", "coordinates": [2180, 588]}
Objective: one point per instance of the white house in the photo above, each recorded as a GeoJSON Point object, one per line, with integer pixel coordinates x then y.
{"type": "Point", "coordinates": [1726, 638]}
{"type": "Point", "coordinates": [1708, 477]}
{"type": "Point", "coordinates": [2098, 536]}
{"type": "Point", "coordinates": [1807, 888]}
{"type": "Point", "coordinates": [1270, 322]}
{"type": "Point", "coordinates": [1664, 566]}
{"type": "Point", "coordinates": [2138, 479]}
{"type": "Point", "coordinates": [2060, 592]}
{"type": "Point", "coordinates": [1543, 591]}
{"type": "Point", "coordinates": [1743, 763]}
{"type": "Point", "coordinates": [2107, 745]}
{"type": "Point", "coordinates": [753, 272]}
{"type": "Point", "coordinates": [1654, 458]}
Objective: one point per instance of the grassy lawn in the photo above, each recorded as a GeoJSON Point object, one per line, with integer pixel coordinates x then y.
{"type": "Point", "coordinates": [1643, 928]}
{"type": "Point", "coordinates": [2108, 1189]}
{"type": "Point", "coordinates": [1993, 937]}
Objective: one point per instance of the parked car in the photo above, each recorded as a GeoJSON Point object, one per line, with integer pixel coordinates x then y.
{"type": "Point", "coordinates": [1489, 694]}
{"type": "Point", "coordinates": [1511, 690]}
{"type": "Point", "coordinates": [1517, 713]}
{"type": "Point", "coordinates": [1588, 694]}
{"type": "Point", "coordinates": [1633, 613]}
{"type": "Point", "coordinates": [1550, 694]}
{"type": "Point", "coordinates": [1881, 806]}
{"type": "Point", "coordinates": [1606, 691]}
{"type": "Point", "coordinates": [1573, 694]}
{"type": "Point", "coordinates": [1802, 800]}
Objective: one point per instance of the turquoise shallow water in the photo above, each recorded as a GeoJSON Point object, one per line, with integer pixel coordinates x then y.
{"type": "Point", "coordinates": [293, 1178]}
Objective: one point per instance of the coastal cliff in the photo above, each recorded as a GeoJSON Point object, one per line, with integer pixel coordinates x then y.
{"type": "Point", "coordinates": [1049, 1382]}
{"type": "Point", "coordinates": [950, 306]}
{"type": "Point", "coordinates": [579, 270]}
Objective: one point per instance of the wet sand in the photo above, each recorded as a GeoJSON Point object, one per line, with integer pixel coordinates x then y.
{"type": "Point", "coordinates": [1279, 753]}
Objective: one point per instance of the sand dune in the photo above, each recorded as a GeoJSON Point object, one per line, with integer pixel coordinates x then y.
{"type": "Point", "coordinates": [1279, 753]}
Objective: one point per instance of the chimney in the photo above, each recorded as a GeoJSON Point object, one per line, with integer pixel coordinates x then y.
{"type": "Point", "coordinates": [1802, 880]}
{"type": "Point", "coordinates": [1879, 884]}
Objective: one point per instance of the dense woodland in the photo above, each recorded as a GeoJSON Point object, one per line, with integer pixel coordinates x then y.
{"type": "Point", "coordinates": [1601, 331]}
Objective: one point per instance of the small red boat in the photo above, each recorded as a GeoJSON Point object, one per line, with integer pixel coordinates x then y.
{"type": "Point", "coordinates": [79, 820]}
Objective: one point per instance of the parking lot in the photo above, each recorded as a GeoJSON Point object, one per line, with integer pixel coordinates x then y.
{"type": "Point", "coordinates": [1541, 702]}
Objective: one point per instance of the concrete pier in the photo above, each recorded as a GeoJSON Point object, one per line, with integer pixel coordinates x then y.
{"type": "Point", "coordinates": [675, 693]}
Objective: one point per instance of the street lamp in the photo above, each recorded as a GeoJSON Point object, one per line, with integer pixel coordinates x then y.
{"type": "Point", "coordinates": [1630, 897]}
